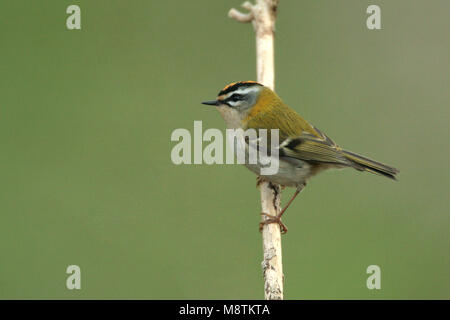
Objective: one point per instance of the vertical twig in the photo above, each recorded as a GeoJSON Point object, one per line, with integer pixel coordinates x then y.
{"type": "Point", "coordinates": [262, 14]}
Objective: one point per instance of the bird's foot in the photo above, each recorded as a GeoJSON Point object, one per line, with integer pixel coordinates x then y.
{"type": "Point", "coordinates": [273, 219]}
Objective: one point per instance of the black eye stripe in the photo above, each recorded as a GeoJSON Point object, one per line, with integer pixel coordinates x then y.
{"type": "Point", "coordinates": [233, 98]}
{"type": "Point", "coordinates": [236, 97]}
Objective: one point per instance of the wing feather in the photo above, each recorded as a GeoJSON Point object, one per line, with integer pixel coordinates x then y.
{"type": "Point", "coordinates": [299, 139]}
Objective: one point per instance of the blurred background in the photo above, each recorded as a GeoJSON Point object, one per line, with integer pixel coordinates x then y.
{"type": "Point", "coordinates": [86, 177]}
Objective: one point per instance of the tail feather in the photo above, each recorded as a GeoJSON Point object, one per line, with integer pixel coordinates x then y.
{"type": "Point", "coordinates": [365, 164]}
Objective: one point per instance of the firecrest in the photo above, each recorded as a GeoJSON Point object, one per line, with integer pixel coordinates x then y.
{"type": "Point", "coordinates": [303, 151]}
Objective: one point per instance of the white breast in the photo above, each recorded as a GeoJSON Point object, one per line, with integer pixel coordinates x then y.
{"type": "Point", "coordinates": [288, 175]}
{"type": "Point", "coordinates": [291, 172]}
{"type": "Point", "coordinates": [231, 116]}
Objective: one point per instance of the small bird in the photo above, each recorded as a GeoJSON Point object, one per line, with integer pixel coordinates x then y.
{"type": "Point", "coordinates": [303, 151]}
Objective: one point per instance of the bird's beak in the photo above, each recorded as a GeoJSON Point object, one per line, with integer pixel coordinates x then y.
{"type": "Point", "coordinates": [211, 103]}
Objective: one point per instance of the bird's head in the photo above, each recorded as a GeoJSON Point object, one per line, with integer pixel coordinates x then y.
{"type": "Point", "coordinates": [236, 101]}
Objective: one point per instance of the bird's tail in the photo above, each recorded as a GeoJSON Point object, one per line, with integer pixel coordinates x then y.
{"type": "Point", "coordinates": [365, 164]}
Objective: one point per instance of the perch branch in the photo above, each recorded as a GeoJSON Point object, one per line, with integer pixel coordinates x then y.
{"type": "Point", "coordinates": [262, 14]}
{"type": "Point", "coordinates": [242, 17]}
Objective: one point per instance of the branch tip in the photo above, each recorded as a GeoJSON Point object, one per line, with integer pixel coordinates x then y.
{"type": "Point", "coordinates": [242, 17]}
{"type": "Point", "coordinates": [247, 5]}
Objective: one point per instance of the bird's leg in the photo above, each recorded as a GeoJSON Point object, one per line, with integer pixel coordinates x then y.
{"type": "Point", "coordinates": [277, 218]}
{"type": "Point", "coordinates": [272, 219]}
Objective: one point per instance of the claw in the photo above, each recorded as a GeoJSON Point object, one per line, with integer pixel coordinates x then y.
{"type": "Point", "coordinates": [273, 219]}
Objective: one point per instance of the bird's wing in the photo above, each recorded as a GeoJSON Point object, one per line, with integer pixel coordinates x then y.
{"type": "Point", "coordinates": [297, 138]}
{"type": "Point", "coordinates": [309, 147]}
{"type": "Point", "coordinates": [282, 117]}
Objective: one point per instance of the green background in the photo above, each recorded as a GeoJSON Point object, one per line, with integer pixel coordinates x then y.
{"type": "Point", "coordinates": [86, 176]}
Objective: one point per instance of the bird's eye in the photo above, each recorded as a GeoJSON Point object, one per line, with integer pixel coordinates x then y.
{"type": "Point", "coordinates": [237, 97]}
